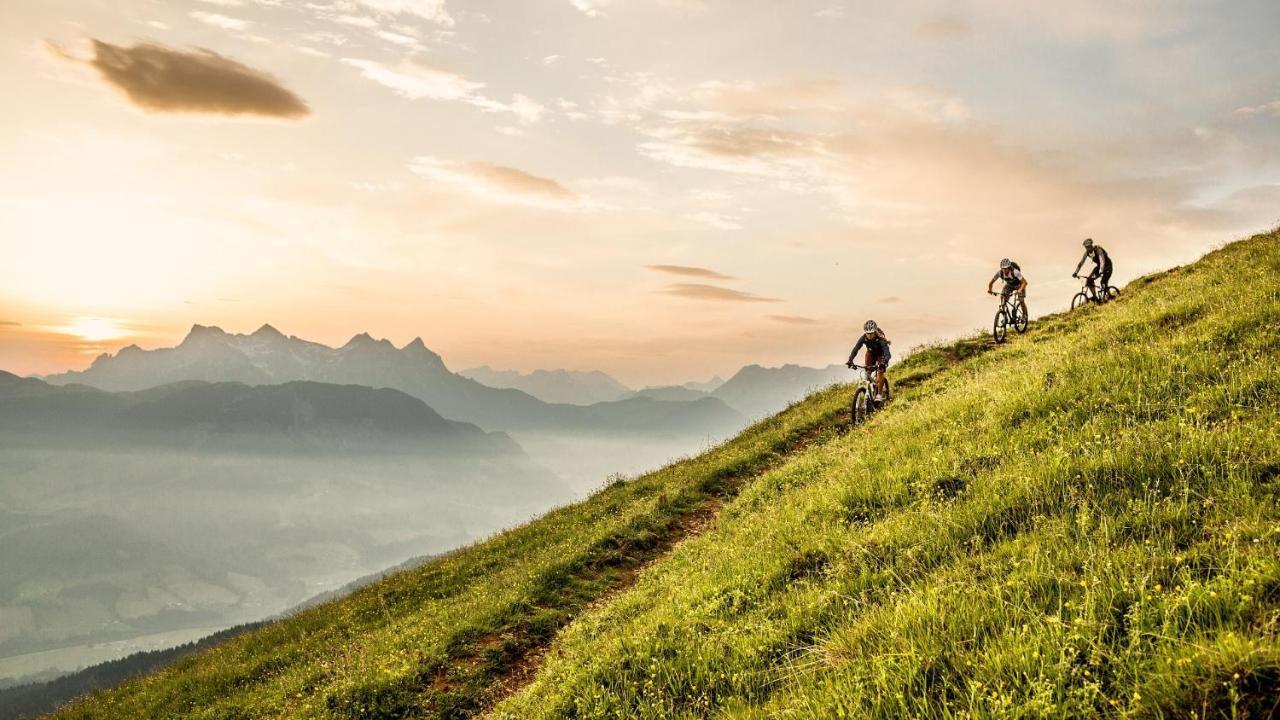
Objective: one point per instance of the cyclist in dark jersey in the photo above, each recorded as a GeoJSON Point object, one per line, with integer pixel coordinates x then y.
{"type": "Point", "coordinates": [877, 345]}
{"type": "Point", "coordinates": [1101, 266]}
{"type": "Point", "coordinates": [1011, 275]}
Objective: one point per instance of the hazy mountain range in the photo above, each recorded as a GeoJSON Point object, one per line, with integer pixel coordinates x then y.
{"type": "Point", "coordinates": [163, 494]}
{"type": "Point", "coordinates": [542, 401]}
{"type": "Point", "coordinates": [142, 519]}
{"type": "Point", "coordinates": [757, 391]}
{"type": "Point", "coordinates": [585, 387]}
{"type": "Point", "coordinates": [293, 416]}
{"type": "Point", "coordinates": [554, 386]}
{"type": "Point", "coordinates": [267, 356]}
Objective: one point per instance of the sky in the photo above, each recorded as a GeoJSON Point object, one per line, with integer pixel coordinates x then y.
{"type": "Point", "coordinates": [660, 189]}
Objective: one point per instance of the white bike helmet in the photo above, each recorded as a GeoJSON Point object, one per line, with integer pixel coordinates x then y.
{"type": "Point", "coordinates": [1005, 264]}
{"type": "Point", "coordinates": [869, 326]}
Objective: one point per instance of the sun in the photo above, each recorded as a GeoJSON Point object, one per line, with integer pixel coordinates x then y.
{"type": "Point", "coordinates": [93, 329]}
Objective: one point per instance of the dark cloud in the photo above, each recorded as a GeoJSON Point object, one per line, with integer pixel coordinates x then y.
{"type": "Point", "coordinates": [9, 323]}
{"type": "Point", "coordinates": [161, 79]}
{"type": "Point", "coordinates": [794, 319]}
{"type": "Point", "coordinates": [690, 271]}
{"type": "Point", "coordinates": [698, 291]}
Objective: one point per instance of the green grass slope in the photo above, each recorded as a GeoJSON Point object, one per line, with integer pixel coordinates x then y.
{"type": "Point", "coordinates": [1083, 522]}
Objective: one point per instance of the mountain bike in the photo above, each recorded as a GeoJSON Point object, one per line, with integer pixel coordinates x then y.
{"type": "Point", "coordinates": [1090, 293]}
{"type": "Point", "coordinates": [1010, 313]}
{"type": "Point", "coordinates": [864, 398]}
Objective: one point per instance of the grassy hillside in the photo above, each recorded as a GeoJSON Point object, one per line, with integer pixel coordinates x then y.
{"type": "Point", "coordinates": [1083, 522]}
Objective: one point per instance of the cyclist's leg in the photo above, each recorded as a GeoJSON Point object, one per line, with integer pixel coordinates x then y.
{"type": "Point", "coordinates": [872, 361]}
{"type": "Point", "coordinates": [1106, 278]}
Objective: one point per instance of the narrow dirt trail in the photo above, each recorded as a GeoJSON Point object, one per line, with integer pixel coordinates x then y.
{"type": "Point", "coordinates": [486, 669]}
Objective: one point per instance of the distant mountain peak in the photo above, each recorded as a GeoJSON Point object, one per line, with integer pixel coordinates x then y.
{"type": "Point", "coordinates": [268, 331]}
{"type": "Point", "coordinates": [204, 332]}
{"type": "Point", "coordinates": [359, 339]}
{"type": "Point", "coordinates": [419, 351]}
{"type": "Point", "coordinates": [364, 339]}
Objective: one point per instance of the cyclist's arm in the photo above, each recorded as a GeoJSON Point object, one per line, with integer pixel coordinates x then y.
{"type": "Point", "coordinates": [853, 356]}
{"type": "Point", "coordinates": [1023, 286]}
{"type": "Point", "coordinates": [1080, 264]}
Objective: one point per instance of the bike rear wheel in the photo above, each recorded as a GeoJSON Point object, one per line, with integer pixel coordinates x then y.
{"type": "Point", "coordinates": [861, 408]}
{"type": "Point", "coordinates": [1112, 293]}
{"type": "Point", "coordinates": [1079, 300]}
{"type": "Point", "coordinates": [1000, 327]}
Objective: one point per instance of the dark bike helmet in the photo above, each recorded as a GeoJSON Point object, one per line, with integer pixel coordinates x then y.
{"type": "Point", "coordinates": [1088, 242]}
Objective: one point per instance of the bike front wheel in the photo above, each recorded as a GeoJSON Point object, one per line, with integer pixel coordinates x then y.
{"type": "Point", "coordinates": [1020, 319]}
{"type": "Point", "coordinates": [861, 409]}
{"type": "Point", "coordinates": [1079, 300]}
{"type": "Point", "coordinates": [1000, 327]}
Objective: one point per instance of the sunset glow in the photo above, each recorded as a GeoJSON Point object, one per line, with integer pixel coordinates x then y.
{"type": "Point", "coordinates": [503, 180]}
{"type": "Point", "coordinates": [93, 329]}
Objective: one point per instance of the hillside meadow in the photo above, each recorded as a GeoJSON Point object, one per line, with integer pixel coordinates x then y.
{"type": "Point", "coordinates": [1083, 522]}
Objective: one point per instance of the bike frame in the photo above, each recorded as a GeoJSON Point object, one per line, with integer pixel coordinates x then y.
{"type": "Point", "coordinates": [1094, 293]}
{"type": "Point", "coordinates": [868, 391]}
{"type": "Point", "coordinates": [868, 377]}
{"type": "Point", "coordinates": [1008, 310]}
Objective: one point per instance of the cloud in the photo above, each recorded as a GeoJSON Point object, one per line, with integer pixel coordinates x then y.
{"type": "Point", "coordinates": [497, 183]}
{"type": "Point", "coordinates": [432, 10]}
{"type": "Point", "coordinates": [890, 299]}
{"type": "Point", "coordinates": [699, 291]}
{"type": "Point", "coordinates": [160, 79]}
{"type": "Point", "coordinates": [945, 28]}
{"type": "Point", "coordinates": [592, 8]}
{"type": "Point", "coordinates": [399, 39]}
{"type": "Point", "coordinates": [360, 21]}
{"type": "Point", "coordinates": [418, 81]}
{"type": "Point", "coordinates": [690, 271]}
{"type": "Point", "coordinates": [9, 323]}
{"type": "Point", "coordinates": [793, 319]}
{"type": "Point", "coordinates": [217, 20]}
{"type": "Point", "coordinates": [717, 220]}
{"type": "Point", "coordinates": [743, 149]}
{"type": "Point", "coordinates": [1271, 108]}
